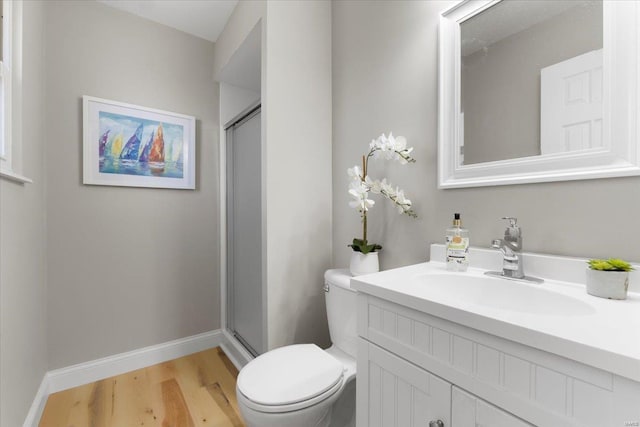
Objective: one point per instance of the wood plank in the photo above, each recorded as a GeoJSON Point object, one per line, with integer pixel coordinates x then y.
{"type": "Point", "coordinates": [176, 411]}
{"type": "Point", "coordinates": [224, 402]}
{"type": "Point", "coordinates": [193, 391]}
{"type": "Point", "coordinates": [94, 407]}
{"type": "Point", "coordinates": [193, 384]}
{"type": "Point", "coordinates": [131, 400]}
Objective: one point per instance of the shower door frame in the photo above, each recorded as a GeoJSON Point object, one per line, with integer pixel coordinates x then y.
{"type": "Point", "coordinates": [246, 351]}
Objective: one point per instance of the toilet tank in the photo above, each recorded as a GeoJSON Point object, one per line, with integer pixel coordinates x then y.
{"type": "Point", "coordinates": [341, 310]}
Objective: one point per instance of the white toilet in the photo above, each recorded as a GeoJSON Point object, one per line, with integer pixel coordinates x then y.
{"type": "Point", "coordinates": [302, 385]}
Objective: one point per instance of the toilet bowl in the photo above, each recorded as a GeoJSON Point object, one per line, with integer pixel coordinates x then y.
{"type": "Point", "coordinates": [299, 385]}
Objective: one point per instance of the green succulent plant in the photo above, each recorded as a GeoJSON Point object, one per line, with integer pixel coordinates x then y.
{"type": "Point", "coordinates": [611, 264]}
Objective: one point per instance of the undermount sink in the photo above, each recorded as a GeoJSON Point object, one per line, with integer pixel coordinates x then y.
{"type": "Point", "coordinates": [557, 317]}
{"type": "Point", "coordinates": [502, 294]}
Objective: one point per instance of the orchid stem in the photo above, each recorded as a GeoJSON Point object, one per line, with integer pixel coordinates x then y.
{"type": "Point", "coordinates": [364, 213]}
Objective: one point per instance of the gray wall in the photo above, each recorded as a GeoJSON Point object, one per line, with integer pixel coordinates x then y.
{"type": "Point", "coordinates": [23, 309]}
{"type": "Point", "coordinates": [501, 87]}
{"type": "Point", "coordinates": [296, 168]}
{"type": "Point", "coordinates": [127, 267]}
{"type": "Point", "coordinates": [297, 127]}
{"type": "Point", "coordinates": [387, 80]}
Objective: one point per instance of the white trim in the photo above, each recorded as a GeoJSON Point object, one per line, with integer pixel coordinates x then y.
{"type": "Point", "coordinates": [10, 175]}
{"type": "Point", "coordinates": [620, 154]}
{"type": "Point", "coordinates": [37, 407]}
{"type": "Point", "coordinates": [12, 82]}
{"type": "Point", "coordinates": [222, 203]}
{"type": "Point", "coordinates": [87, 372]}
{"type": "Point", "coordinates": [5, 144]}
{"type": "Point", "coordinates": [5, 73]}
{"type": "Point", "coordinates": [235, 351]}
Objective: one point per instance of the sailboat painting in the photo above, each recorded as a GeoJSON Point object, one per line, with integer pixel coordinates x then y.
{"type": "Point", "coordinates": [153, 157]}
{"type": "Point", "coordinates": [129, 145]}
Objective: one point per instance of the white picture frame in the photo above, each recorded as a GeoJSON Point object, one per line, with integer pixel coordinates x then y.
{"type": "Point", "coordinates": [133, 146]}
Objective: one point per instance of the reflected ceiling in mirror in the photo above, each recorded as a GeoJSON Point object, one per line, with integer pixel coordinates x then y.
{"type": "Point", "coordinates": [531, 79]}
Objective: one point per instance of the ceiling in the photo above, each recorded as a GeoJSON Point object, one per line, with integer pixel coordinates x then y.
{"type": "Point", "coordinates": [202, 18]}
{"type": "Point", "coordinates": [510, 17]}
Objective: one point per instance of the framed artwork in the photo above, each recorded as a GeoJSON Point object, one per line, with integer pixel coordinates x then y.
{"type": "Point", "coordinates": [133, 146]}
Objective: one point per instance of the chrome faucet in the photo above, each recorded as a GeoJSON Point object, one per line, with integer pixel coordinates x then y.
{"type": "Point", "coordinates": [511, 247]}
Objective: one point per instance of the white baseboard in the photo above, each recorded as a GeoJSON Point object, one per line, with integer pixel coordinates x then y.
{"type": "Point", "coordinates": [235, 351]}
{"type": "Point", "coordinates": [37, 407]}
{"type": "Point", "coordinates": [87, 372]}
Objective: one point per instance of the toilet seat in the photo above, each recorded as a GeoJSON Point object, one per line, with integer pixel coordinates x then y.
{"type": "Point", "coordinates": [290, 378]}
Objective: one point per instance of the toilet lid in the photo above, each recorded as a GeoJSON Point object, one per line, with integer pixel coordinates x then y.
{"type": "Point", "coordinates": [290, 374]}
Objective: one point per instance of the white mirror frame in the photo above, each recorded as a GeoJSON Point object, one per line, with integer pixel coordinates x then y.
{"type": "Point", "coordinates": [620, 153]}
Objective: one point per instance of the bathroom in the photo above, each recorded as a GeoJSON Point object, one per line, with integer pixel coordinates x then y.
{"type": "Point", "coordinates": [76, 285]}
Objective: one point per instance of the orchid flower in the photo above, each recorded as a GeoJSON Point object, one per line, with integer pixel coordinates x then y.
{"type": "Point", "coordinates": [386, 148]}
{"type": "Point", "coordinates": [360, 192]}
{"type": "Point", "coordinates": [355, 173]}
{"type": "Point", "coordinates": [391, 148]}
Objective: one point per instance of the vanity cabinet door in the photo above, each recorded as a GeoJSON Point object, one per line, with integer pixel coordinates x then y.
{"type": "Point", "coordinates": [468, 410]}
{"type": "Point", "coordinates": [392, 392]}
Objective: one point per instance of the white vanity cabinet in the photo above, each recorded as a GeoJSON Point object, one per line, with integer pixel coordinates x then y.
{"type": "Point", "coordinates": [400, 394]}
{"type": "Point", "coordinates": [468, 410]}
{"type": "Point", "coordinates": [414, 368]}
{"type": "Point", "coordinates": [395, 393]}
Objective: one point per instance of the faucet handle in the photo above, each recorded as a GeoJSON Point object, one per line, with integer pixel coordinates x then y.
{"type": "Point", "coordinates": [512, 220]}
{"type": "Point", "coordinates": [513, 233]}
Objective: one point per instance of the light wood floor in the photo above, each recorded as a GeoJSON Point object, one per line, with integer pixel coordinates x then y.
{"type": "Point", "coordinates": [193, 391]}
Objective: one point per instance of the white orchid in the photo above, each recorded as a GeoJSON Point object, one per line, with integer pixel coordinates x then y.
{"type": "Point", "coordinates": [360, 192]}
{"type": "Point", "coordinates": [355, 173]}
{"type": "Point", "coordinates": [396, 196]}
{"type": "Point", "coordinates": [391, 148]}
{"type": "Point", "coordinates": [402, 203]}
{"type": "Point", "coordinates": [402, 153]}
{"type": "Point", "coordinates": [385, 187]}
{"type": "Point", "coordinates": [374, 185]}
{"type": "Point", "coordinates": [385, 147]}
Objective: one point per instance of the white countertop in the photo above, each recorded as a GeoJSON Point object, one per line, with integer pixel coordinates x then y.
{"type": "Point", "coordinates": [601, 333]}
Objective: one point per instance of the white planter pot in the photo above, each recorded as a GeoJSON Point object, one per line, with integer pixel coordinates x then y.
{"type": "Point", "coordinates": [608, 284]}
{"type": "Point", "coordinates": [364, 263]}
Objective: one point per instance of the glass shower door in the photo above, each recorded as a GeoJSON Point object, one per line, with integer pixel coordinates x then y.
{"type": "Point", "coordinates": [244, 232]}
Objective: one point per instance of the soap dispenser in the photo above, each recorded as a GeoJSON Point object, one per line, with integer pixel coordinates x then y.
{"type": "Point", "coordinates": [457, 246]}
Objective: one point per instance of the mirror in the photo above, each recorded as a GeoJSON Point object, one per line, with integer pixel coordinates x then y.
{"type": "Point", "coordinates": [515, 54]}
{"type": "Point", "coordinates": [532, 91]}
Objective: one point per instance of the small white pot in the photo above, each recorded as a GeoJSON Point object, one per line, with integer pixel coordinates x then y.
{"type": "Point", "coordinates": [608, 284]}
{"type": "Point", "coordinates": [364, 263]}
